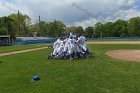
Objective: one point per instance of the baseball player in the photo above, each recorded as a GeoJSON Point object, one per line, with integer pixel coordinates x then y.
{"type": "Point", "coordinates": [83, 45]}
{"type": "Point", "coordinates": [71, 47]}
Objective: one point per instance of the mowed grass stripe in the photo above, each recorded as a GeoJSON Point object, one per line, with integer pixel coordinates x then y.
{"type": "Point", "coordinates": [22, 51]}
{"type": "Point", "coordinates": [20, 47]}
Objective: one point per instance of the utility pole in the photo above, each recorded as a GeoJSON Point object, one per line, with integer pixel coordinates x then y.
{"type": "Point", "coordinates": [39, 18]}
{"type": "Point", "coordinates": [19, 22]}
{"type": "Point", "coordinates": [39, 25]}
{"type": "Point", "coordinates": [25, 29]}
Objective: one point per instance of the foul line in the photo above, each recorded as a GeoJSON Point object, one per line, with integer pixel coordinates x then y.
{"type": "Point", "coordinates": [22, 51]}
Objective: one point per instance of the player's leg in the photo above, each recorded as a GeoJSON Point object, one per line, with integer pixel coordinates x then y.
{"type": "Point", "coordinates": [71, 53]}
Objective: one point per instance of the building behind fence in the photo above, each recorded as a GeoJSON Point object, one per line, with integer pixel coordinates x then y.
{"type": "Point", "coordinates": [5, 40]}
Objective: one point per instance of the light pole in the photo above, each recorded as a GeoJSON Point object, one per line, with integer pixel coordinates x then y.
{"type": "Point", "coordinates": [18, 22]}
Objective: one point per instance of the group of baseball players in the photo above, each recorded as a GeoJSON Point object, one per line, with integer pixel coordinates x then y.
{"type": "Point", "coordinates": [73, 47]}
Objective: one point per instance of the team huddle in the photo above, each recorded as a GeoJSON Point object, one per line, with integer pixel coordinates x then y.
{"type": "Point", "coordinates": [71, 47]}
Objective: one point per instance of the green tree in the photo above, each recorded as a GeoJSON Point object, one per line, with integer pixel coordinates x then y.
{"type": "Point", "coordinates": [71, 29]}
{"type": "Point", "coordinates": [3, 28]}
{"type": "Point", "coordinates": [134, 26]}
{"type": "Point", "coordinates": [42, 28]}
{"type": "Point", "coordinates": [120, 28]}
{"type": "Point", "coordinates": [75, 30]}
{"type": "Point", "coordinates": [80, 30]}
{"type": "Point", "coordinates": [55, 29]}
{"type": "Point", "coordinates": [98, 30]}
{"type": "Point", "coordinates": [88, 32]}
{"type": "Point", "coordinates": [24, 23]}
{"type": "Point", "coordinates": [108, 28]}
{"type": "Point", "coordinates": [6, 26]}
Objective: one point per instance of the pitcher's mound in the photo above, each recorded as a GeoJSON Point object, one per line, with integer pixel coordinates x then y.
{"type": "Point", "coordinates": [130, 55]}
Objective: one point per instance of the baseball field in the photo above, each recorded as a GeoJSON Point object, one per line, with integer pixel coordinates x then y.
{"type": "Point", "coordinates": [114, 68]}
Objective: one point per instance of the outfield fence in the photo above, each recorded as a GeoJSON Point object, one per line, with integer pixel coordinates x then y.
{"type": "Point", "coordinates": [26, 42]}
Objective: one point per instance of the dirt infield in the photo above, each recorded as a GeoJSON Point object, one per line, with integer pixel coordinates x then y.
{"type": "Point", "coordinates": [114, 42]}
{"type": "Point", "coordinates": [130, 55]}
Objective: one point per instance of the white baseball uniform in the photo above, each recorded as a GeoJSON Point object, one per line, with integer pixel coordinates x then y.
{"type": "Point", "coordinates": [82, 42]}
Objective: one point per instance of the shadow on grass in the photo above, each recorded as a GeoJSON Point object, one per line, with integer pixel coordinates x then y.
{"type": "Point", "coordinates": [91, 56]}
{"type": "Point", "coordinates": [0, 62]}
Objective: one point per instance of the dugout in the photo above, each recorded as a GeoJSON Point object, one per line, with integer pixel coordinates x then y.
{"type": "Point", "coordinates": [5, 40]}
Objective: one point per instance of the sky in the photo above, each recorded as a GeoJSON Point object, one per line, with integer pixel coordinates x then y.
{"type": "Point", "coordinates": [73, 12]}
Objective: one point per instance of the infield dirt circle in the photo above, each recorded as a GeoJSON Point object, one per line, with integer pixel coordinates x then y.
{"type": "Point", "coordinates": [129, 55]}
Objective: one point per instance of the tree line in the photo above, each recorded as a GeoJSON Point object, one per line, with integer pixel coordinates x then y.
{"type": "Point", "coordinates": [20, 25]}
{"type": "Point", "coordinates": [119, 28]}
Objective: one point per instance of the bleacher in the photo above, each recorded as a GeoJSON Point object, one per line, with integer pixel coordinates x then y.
{"type": "Point", "coordinates": [5, 40]}
{"type": "Point", "coordinates": [31, 38]}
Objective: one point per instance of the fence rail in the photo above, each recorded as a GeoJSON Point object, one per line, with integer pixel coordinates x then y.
{"type": "Point", "coordinates": [26, 42]}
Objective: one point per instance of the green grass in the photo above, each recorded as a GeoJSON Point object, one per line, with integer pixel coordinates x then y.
{"type": "Point", "coordinates": [100, 74]}
{"type": "Point", "coordinates": [20, 47]}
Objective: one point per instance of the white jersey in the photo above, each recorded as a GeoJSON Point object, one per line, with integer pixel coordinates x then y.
{"type": "Point", "coordinates": [56, 44]}
{"type": "Point", "coordinates": [82, 43]}
{"type": "Point", "coordinates": [71, 45]}
{"type": "Point", "coordinates": [65, 45]}
{"type": "Point", "coordinates": [81, 40]}
{"type": "Point", "coordinates": [71, 42]}
{"type": "Point", "coordinates": [61, 43]}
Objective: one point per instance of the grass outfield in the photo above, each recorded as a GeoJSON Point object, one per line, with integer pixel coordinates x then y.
{"type": "Point", "coordinates": [100, 74]}
{"type": "Point", "coordinates": [21, 47]}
